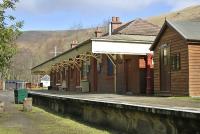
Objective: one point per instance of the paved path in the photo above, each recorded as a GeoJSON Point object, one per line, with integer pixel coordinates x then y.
{"type": "Point", "coordinates": [177, 103]}
{"type": "Point", "coordinates": [13, 118]}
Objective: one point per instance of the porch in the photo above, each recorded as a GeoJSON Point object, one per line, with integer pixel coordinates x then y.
{"type": "Point", "coordinates": [114, 63]}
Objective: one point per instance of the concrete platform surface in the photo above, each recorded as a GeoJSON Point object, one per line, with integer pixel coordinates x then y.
{"type": "Point", "coordinates": [182, 104]}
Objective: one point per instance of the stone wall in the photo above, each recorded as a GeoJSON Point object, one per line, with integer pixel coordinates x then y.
{"type": "Point", "coordinates": [126, 118]}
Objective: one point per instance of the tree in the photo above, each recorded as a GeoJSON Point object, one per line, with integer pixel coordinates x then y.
{"type": "Point", "coordinates": [9, 31]}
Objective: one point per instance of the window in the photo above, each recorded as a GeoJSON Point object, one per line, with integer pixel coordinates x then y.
{"type": "Point", "coordinates": [165, 55]}
{"type": "Point", "coordinates": [84, 71]}
{"type": "Point", "coordinates": [165, 61]}
{"type": "Point", "coordinates": [175, 62]}
{"type": "Point", "coordinates": [109, 67]}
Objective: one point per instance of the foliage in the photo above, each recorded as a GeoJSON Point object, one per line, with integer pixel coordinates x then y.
{"type": "Point", "coordinates": [9, 31]}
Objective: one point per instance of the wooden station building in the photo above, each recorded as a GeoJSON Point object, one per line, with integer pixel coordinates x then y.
{"type": "Point", "coordinates": [117, 62]}
{"type": "Point", "coordinates": [177, 59]}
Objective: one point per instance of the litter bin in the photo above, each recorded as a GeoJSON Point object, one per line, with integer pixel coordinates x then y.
{"type": "Point", "coordinates": [20, 95]}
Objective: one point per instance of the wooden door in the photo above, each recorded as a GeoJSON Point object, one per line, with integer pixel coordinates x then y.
{"type": "Point", "coordinates": [165, 77]}
{"type": "Point", "coordinates": [128, 75]}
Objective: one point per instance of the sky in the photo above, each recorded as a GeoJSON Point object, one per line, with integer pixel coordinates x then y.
{"type": "Point", "coordinates": [70, 14]}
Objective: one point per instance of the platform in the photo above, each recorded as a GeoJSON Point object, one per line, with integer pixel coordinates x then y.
{"type": "Point", "coordinates": [172, 114]}
{"type": "Point", "coordinates": [184, 104]}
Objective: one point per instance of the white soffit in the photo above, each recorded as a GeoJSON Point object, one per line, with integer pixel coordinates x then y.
{"type": "Point", "coordinates": [120, 48]}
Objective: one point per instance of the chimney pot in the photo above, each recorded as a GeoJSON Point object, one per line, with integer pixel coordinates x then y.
{"type": "Point", "coordinates": [115, 23]}
{"type": "Point", "coordinates": [117, 19]}
{"type": "Point", "coordinates": [98, 32]}
{"type": "Point", "coordinates": [113, 19]}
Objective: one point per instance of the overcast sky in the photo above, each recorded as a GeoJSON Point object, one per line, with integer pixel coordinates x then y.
{"type": "Point", "coordinates": [65, 14]}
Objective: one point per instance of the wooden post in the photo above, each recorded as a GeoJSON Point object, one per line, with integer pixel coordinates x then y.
{"type": "Point", "coordinates": [115, 72]}
{"type": "Point", "coordinates": [149, 89]}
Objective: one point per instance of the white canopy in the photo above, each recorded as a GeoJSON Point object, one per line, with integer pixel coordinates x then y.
{"type": "Point", "coordinates": [133, 48]}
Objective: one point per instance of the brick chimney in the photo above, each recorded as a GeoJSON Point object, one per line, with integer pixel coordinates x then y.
{"type": "Point", "coordinates": [74, 43]}
{"type": "Point", "coordinates": [115, 23]}
{"type": "Point", "coordinates": [98, 32]}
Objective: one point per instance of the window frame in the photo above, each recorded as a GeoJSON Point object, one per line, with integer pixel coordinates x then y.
{"type": "Point", "coordinates": [176, 61]}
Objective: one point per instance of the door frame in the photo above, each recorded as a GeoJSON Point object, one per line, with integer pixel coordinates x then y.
{"type": "Point", "coordinates": [165, 64]}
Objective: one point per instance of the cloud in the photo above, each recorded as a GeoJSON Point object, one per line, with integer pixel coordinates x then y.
{"type": "Point", "coordinates": [43, 6]}
{"type": "Point", "coordinates": [88, 6]}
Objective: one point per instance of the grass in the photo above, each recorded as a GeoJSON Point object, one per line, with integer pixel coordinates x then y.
{"type": "Point", "coordinates": [53, 124]}
{"type": "Point", "coordinates": [39, 121]}
{"type": "Point", "coordinates": [10, 130]}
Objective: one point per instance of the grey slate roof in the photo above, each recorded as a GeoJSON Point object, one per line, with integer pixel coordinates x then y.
{"type": "Point", "coordinates": [190, 30]}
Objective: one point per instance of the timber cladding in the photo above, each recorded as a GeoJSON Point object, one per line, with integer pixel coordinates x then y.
{"type": "Point", "coordinates": [178, 79]}
{"type": "Point", "coordinates": [194, 69]}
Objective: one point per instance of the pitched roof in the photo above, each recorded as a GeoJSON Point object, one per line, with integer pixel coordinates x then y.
{"type": "Point", "coordinates": [189, 30]}
{"type": "Point", "coordinates": [138, 27]}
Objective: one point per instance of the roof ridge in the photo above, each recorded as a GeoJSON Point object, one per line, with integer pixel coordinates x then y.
{"type": "Point", "coordinates": [123, 25]}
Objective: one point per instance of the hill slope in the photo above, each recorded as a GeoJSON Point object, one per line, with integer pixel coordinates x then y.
{"type": "Point", "coordinates": [34, 47]}
{"type": "Point", "coordinates": [190, 13]}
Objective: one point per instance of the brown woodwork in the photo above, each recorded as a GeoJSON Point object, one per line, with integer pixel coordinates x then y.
{"type": "Point", "coordinates": [165, 67]}
{"type": "Point", "coordinates": [178, 79]}
{"type": "Point", "coordinates": [128, 70]}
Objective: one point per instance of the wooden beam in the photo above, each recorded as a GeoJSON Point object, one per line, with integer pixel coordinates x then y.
{"type": "Point", "coordinates": [46, 66]}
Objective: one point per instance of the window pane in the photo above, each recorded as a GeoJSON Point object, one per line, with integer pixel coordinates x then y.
{"type": "Point", "coordinates": [172, 62]}
{"type": "Point", "coordinates": [165, 56]}
{"type": "Point", "coordinates": [84, 70]}
{"type": "Point", "coordinates": [109, 68]}
{"type": "Point", "coordinates": [175, 63]}
{"type": "Point", "coordinates": [178, 61]}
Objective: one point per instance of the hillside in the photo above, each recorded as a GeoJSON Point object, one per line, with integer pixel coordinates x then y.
{"type": "Point", "coordinates": [34, 47]}
{"type": "Point", "coordinates": [190, 13]}
{"type": "Point", "coordinates": [42, 43]}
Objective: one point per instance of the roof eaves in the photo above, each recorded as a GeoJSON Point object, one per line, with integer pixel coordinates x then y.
{"type": "Point", "coordinates": [80, 44]}
{"type": "Point", "coordinates": [158, 36]}
{"type": "Point", "coordinates": [193, 40]}
{"type": "Point", "coordinates": [123, 41]}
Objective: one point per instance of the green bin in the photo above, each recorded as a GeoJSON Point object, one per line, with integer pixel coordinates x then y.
{"type": "Point", "coordinates": [20, 95]}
